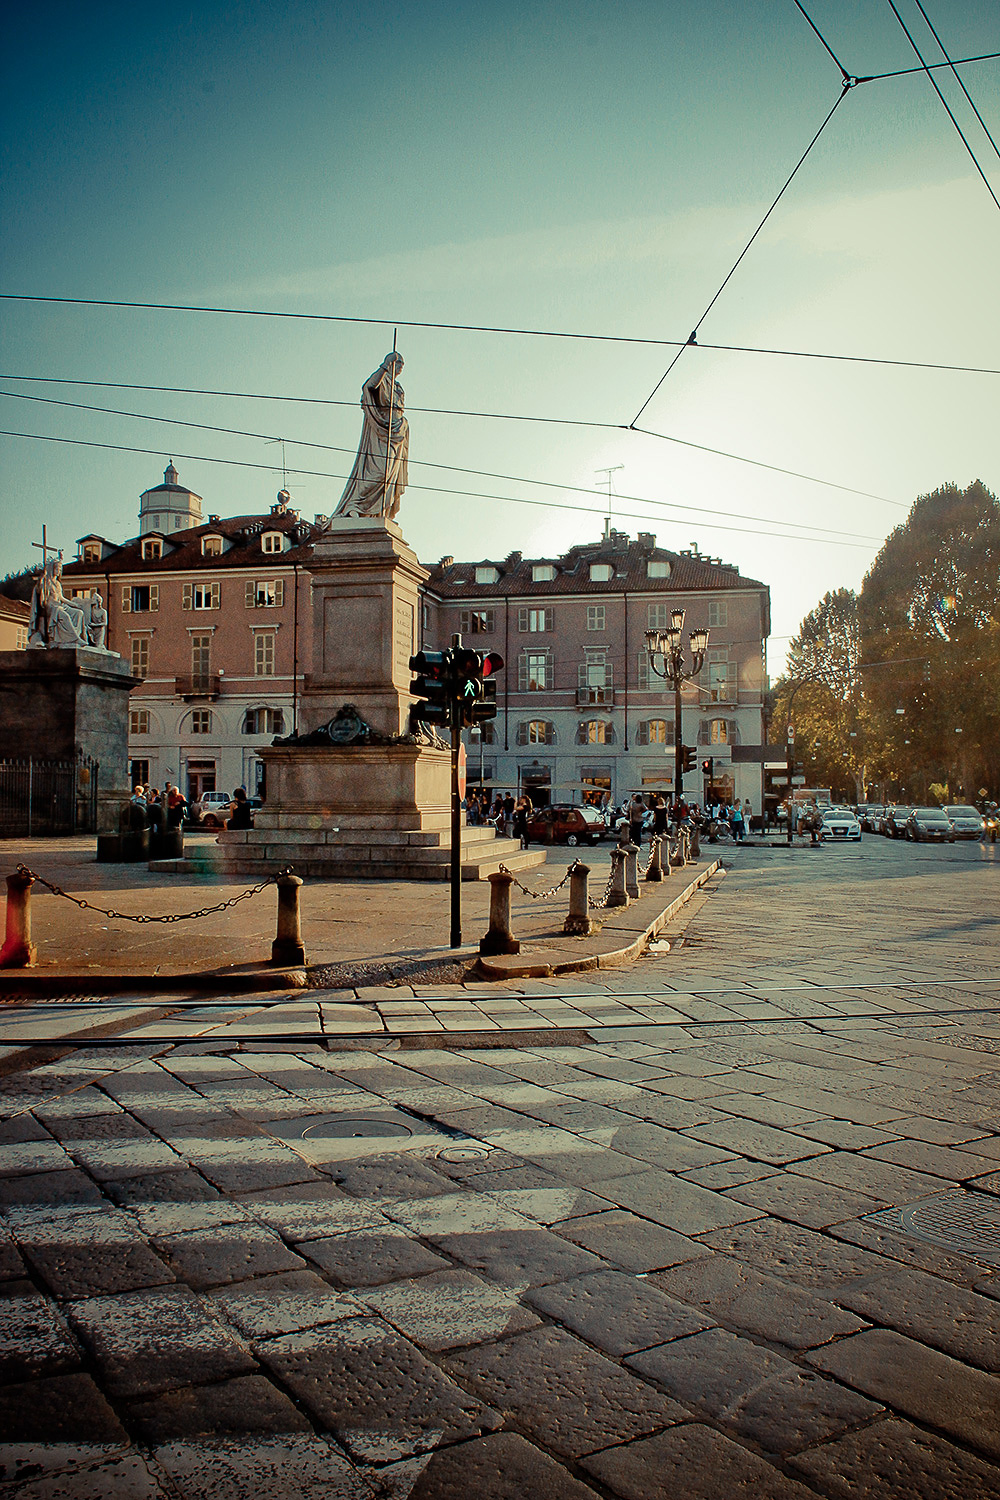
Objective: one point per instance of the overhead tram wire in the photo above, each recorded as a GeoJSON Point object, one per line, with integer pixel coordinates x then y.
{"type": "Point", "coordinates": [693, 336]}
{"type": "Point", "coordinates": [435, 489]}
{"type": "Point", "coordinates": [456, 469]}
{"type": "Point", "coordinates": [958, 77]}
{"type": "Point", "coordinates": [934, 85]}
{"type": "Point", "coordinates": [843, 71]}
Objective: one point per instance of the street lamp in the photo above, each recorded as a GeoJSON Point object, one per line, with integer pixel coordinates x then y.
{"type": "Point", "coordinates": [666, 645]}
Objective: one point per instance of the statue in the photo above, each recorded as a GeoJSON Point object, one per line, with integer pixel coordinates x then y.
{"type": "Point", "coordinates": [56, 621]}
{"type": "Point", "coordinates": [378, 479]}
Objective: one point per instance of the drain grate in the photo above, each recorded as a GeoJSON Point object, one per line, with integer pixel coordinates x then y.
{"type": "Point", "coordinates": [957, 1220]}
{"type": "Point", "coordinates": [338, 1130]}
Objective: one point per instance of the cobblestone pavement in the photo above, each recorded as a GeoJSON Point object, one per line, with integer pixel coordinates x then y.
{"type": "Point", "coordinates": [725, 1223]}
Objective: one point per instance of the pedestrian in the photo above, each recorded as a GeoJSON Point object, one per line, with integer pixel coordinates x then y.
{"type": "Point", "coordinates": [176, 807]}
{"type": "Point", "coordinates": [508, 815]}
{"type": "Point", "coordinates": [241, 813]}
{"type": "Point", "coordinates": [747, 815]}
{"type": "Point", "coordinates": [519, 821]}
{"type": "Point", "coordinates": [659, 817]}
{"type": "Point", "coordinates": [636, 817]}
{"type": "Point", "coordinates": [736, 822]}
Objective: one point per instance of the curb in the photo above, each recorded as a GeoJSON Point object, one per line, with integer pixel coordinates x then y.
{"type": "Point", "coordinates": [23, 984]}
{"type": "Point", "coordinates": [517, 966]}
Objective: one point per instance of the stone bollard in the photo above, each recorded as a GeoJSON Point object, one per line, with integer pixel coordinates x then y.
{"type": "Point", "coordinates": [579, 922]}
{"type": "Point", "coordinates": [618, 895]}
{"type": "Point", "coordinates": [18, 951]}
{"type": "Point", "coordinates": [287, 946]}
{"type": "Point", "coordinates": [679, 856]}
{"type": "Point", "coordinates": [499, 938]}
{"type": "Point", "coordinates": [656, 870]}
{"type": "Point", "coordinates": [695, 842]}
{"type": "Point", "coordinates": [632, 852]}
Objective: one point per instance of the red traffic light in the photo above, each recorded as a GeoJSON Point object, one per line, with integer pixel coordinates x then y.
{"type": "Point", "coordinates": [492, 663]}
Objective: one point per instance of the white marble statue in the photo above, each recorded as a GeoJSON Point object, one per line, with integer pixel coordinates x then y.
{"type": "Point", "coordinates": [56, 621]}
{"type": "Point", "coordinates": [378, 479]}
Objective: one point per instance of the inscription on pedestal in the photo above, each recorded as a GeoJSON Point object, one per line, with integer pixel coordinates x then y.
{"type": "Point", "coordinates": [405, 639]}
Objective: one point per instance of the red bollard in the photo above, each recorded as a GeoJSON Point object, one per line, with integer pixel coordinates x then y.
{"type": "Point", "coordinates": [18, 951]}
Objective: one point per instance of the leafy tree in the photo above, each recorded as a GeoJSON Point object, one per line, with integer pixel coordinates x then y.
{"type": "Point", "coordinates": [20, 584]}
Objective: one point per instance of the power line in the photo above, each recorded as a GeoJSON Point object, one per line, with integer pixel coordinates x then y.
{"type": "Point", "coordinates": [430, 464]}
{"type": "Point", "coordinates": [235, 431]}
{"type": "Point", "coordinates": [693, 336]}
{"type": "Point", "coordinates": [843, 71]}
{"type": "Point", "coordinates": [435, 489]}
{"type": "Point", "coordinates": [540, 333]}
{"type": "Point", "coordinates": [905, 72]}
{"type": "Point", "coordinates": [958, 77]}
{"type": "Point", "coordinates": [933, 82]}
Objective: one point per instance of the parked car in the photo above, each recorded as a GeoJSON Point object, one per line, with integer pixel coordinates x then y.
{"type": "Point", "coordinates": [929, 825]}
{"type": "Point", "coordinates": [894, 823]}
{"type": "Point", "coordinates": [869, 815]}
{"type": "Point", "coordinates": [968, 822]}
{"type": "Point", "coordinates": [840, 824]}
{"type": "Point", "coordinates": [561, 824]}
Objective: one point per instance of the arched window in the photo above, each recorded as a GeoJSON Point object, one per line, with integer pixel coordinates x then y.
{"type": "Point", "coordinates": [595, 732]}
{"type": "Point", "coordinates": [536, 732]}
{"type": "Point", "coordinates": [655, 732]}
{"type": "Point", "coordinates": [718, 732]}
{"type": "Point", "coordinates": [264, 721]}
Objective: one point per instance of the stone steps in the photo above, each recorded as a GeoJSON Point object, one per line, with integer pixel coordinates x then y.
{"type": "Point", "coordinates": [360, 858]}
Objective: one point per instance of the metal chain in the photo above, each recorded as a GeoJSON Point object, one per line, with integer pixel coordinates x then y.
{"type": "Point", "coordinates": [652, 844]}
{"type": "Point", "coordinates": [600, 905]}
{"type": "Point", "coordinates": [124, 916]}
{"type": "Point", "coordinates": [539, 895]}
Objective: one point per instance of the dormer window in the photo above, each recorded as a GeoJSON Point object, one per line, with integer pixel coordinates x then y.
{"type": "Point", "coordinates": [542, 573]}
{"type": "Point", "coordinates": [272, 541]}
{"type": "Point", "coordinates": [657, 568]}
{"type": "Point", "coordinates": [152, 550]}
{"type": "Point", "coordinates": [211, 546]}
{"type": "Point", "coordinates": [487, 575]}
{"type": "Point", "coordinates": [91, 552]}
{"type": "Point", "coordinates": [600, 572]}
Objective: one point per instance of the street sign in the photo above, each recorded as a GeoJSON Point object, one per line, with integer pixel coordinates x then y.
{"type": "Point", "coordinates": [779, 780]}
{"type": "Point", "coordinates": [775, 765]}
{"type": "Point", "coordinates": [798, 781]}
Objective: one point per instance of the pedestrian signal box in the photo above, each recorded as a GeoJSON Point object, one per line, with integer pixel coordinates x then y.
{"type": "Point", "coordinates": [432, 684]}
{"type": "Point", "coordinates": [687, 758]}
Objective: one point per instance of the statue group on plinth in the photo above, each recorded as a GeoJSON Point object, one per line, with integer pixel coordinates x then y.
{"type": "Point", "coordinates": [376, 483]}
{"type": "Point", "coordinates": [57, 622]}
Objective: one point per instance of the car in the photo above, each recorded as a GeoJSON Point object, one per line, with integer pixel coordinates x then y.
{"type": "Point", "coordinates": [927, 825]}
{"type": "Point", "coordinates": [894, 822]}
{"type": "Point", "coordinates": [840, 824]}
{"type": "Point", "coordinates": [967, 821]}
{"type": "Point", "coordinates": [562, 824]}
{"type": "Point", "coordinates": [869, 815]}
{"type": "Point", "coordinates": [211, 810]}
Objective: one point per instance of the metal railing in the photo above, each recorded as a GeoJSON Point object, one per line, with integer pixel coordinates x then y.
{"type": "Point", "coordinates": [39, 798]}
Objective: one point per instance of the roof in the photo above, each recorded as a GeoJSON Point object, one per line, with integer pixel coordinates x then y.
{"type": "Point", "coordinates": [14, 608]}
{"type": "Point", "coordinates": [182, 549]}
{"type": "Point", "coordinates": [628, 559]}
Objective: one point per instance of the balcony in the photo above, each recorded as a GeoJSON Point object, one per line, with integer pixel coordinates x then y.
{"type": "Point", "coordinates": [193, 689]}
{"type": "Point", "coordinates": [595, 697]}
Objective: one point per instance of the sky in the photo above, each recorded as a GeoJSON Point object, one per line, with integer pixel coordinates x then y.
{"type": "Point", "coordinates": [559, 168]}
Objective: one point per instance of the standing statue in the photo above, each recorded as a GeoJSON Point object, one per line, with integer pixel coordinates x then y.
{"type": "Point", "coordinates": [378, 479]}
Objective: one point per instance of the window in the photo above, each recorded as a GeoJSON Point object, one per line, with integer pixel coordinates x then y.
{"type": "Point", "coordinates": [658, 617]}
{"type": "Point", "coordinates": [718, 613]}
{"type": "Point", "coordinates": [202, 596]}
{"type": "Point", "coordinates": [718, 732]}
{"type": "Point", "coordinates": [201, 661]}
{"type": "Point", "coordinates": [642, 673]}
{"type": "Point", "coordinates": [595, 732]}
{"type": "Point", "coordinates": [655, 732]}
{"type": "Point", "coordinates": [140, 656]}
{"type": "Point", "coordinates": [536, 732]}
{"type": "Point", "coordinates": [152, 551]}
{"type": "Point", "coordinates": [600, 572]}
{"type": "Point", "coordinates": [596, 617]}
{"type": "Point", "coordinates": [272, 541]}
{"type": "Point", "coordinates": [91, 552]}
{"type": "Point", "coordinates": [595, 670]}
{"type": "Point", "coordinates": [264, 721]}
{"type": "Point", "coordinates": [722, 681]}
{"type": "Point", "coordinates": [140, 597]}
{"type": "Point", "coordinates": [211, 546]}
{"type": "Point", "coordinates": [265, 593]}
{"type": "Point", "coordinates": [487, 732]}
{"type": "Point", "coordinates": [657, 568]}
{"type": "Point", "coordinates": [534, 621]}
{"type": "Point", "coordinates": [487, 575]}
{"type": "Point", "coordinates": [138, 771]}
{"type": "Point", "coordinates": [138, 721]}
{"type": "Point", "coordinates": [534, 672]}
{"type": "Point", "coordinates": [263, 661]}
{"type": "Point", "coordinates": [201, 721]}
{"type": "Point", "coordinates": [542, 573]}
{"type": "Point", "coordinates": [477, 621]}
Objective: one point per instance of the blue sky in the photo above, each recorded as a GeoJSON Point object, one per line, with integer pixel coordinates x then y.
{"type": "Point", "coordinates": [562, 166]}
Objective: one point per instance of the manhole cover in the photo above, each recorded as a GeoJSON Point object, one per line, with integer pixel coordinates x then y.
{"type": "Point", "coordinates": [457, 1154]}
{"type": "Point", "coordinates": [341, 1129]}
{"type": "Point", "coordinates": [957, 1220]}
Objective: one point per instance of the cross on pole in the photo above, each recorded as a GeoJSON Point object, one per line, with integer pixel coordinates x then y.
{"type": "Point", "coordinates": [45, 549]}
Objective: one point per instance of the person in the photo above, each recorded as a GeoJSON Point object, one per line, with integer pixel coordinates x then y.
{"type": "Point", "coordinates": [379, 476]}
{"type": "Point", "coordinates": [508, 815]}
{"type": "Point", "coordinates": [520, 820]}
{"type": "Point", "coordinates": [241, 813]}
{"type": "Point", "coordinates": [736, 822]}
{"type": "Point", "coordinates": [747, 815]}
{"type": "Point", "coordinates": [660, 816]}
{"type": "Point", "coordinates": [636, 817]}
{"type": "Point", "coordinates": [176, 807]}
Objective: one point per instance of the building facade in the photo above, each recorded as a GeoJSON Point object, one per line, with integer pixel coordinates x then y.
{"type": "Point", "coordinates": [215, 617]}
{"type": "Point", "coordinates": [14, 618]}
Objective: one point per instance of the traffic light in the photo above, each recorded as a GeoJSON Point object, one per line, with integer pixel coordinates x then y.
{"type": "Point", "coordinates": [707, 768]}
{"type": "Point", "coordinates": [433, 684]}
{"type": "Point", "coordinates": [474, 683]}
{"type": "Point", "coordinates": [688, 758]}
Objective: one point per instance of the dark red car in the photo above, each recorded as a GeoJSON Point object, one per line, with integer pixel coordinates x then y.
{"type": "Point", "coordinates": [566, 825]}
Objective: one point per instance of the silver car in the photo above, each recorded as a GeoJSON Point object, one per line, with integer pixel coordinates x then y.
{"type": "Point", "coordinates": [967, 822]}
{"type": "Point", "coordinates": [840, 824]}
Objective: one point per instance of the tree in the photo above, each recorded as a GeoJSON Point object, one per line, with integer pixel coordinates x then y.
{"type": "Point", "coordinates": [821, 695]}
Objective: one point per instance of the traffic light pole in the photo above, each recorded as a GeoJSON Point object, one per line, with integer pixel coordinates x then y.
{"type": "Point", "coordinates": [456, 830]}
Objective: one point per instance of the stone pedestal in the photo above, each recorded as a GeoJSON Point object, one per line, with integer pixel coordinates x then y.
{"type": "Point", "coordinates": [66, 703]}
{"type": "Point", "coordinates": [366, 624]}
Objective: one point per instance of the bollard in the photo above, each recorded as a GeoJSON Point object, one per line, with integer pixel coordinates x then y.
{"type": "Point", "coordinates": [618, 895]}
{"type": "Point", "coordinates": [18, 951]}
{"type": "Point", "coordinates": [631, 852]}
{"type": "Point", "coordinates": [678, 857]}
{"type": "Point", "coordinates": [579, 922]}
{"type": "Point", "coordinates": [499, 938]}
{"type": "Point", "coordinates": [656, 870]}
{"type": "Point", "coordinates": [695, 842]}
{"type": "Point", "coordinates": [287, 946]}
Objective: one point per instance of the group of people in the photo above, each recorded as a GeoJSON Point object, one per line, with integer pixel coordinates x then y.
{"type": "Point", "coordinates": [163, 810]}
{"type": "Point", "coordinates": [736, 816]}
{"type": "Point", "coordinates": [507, 814]}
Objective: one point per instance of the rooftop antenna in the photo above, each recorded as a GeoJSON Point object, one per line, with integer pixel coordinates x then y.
{"type": "Point", "coordinates": [614, 469]}
{"type": "Point", "coordinates": [269, 443]}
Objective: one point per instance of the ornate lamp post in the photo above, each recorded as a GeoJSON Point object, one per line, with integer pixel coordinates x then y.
{"type": "Point", "coordinates": [665, 646]}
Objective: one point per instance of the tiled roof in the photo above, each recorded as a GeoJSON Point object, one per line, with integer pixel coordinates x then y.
{"type": "Point", "coordinates": [14, 608]}
{"type": "Point", "coordinates": [182, 549]}
{"type": "Point", "coordinates": [628, 560]}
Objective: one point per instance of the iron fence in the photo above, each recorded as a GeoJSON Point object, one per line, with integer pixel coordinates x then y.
{"type": "Point", "coordinates": [42, 797]}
